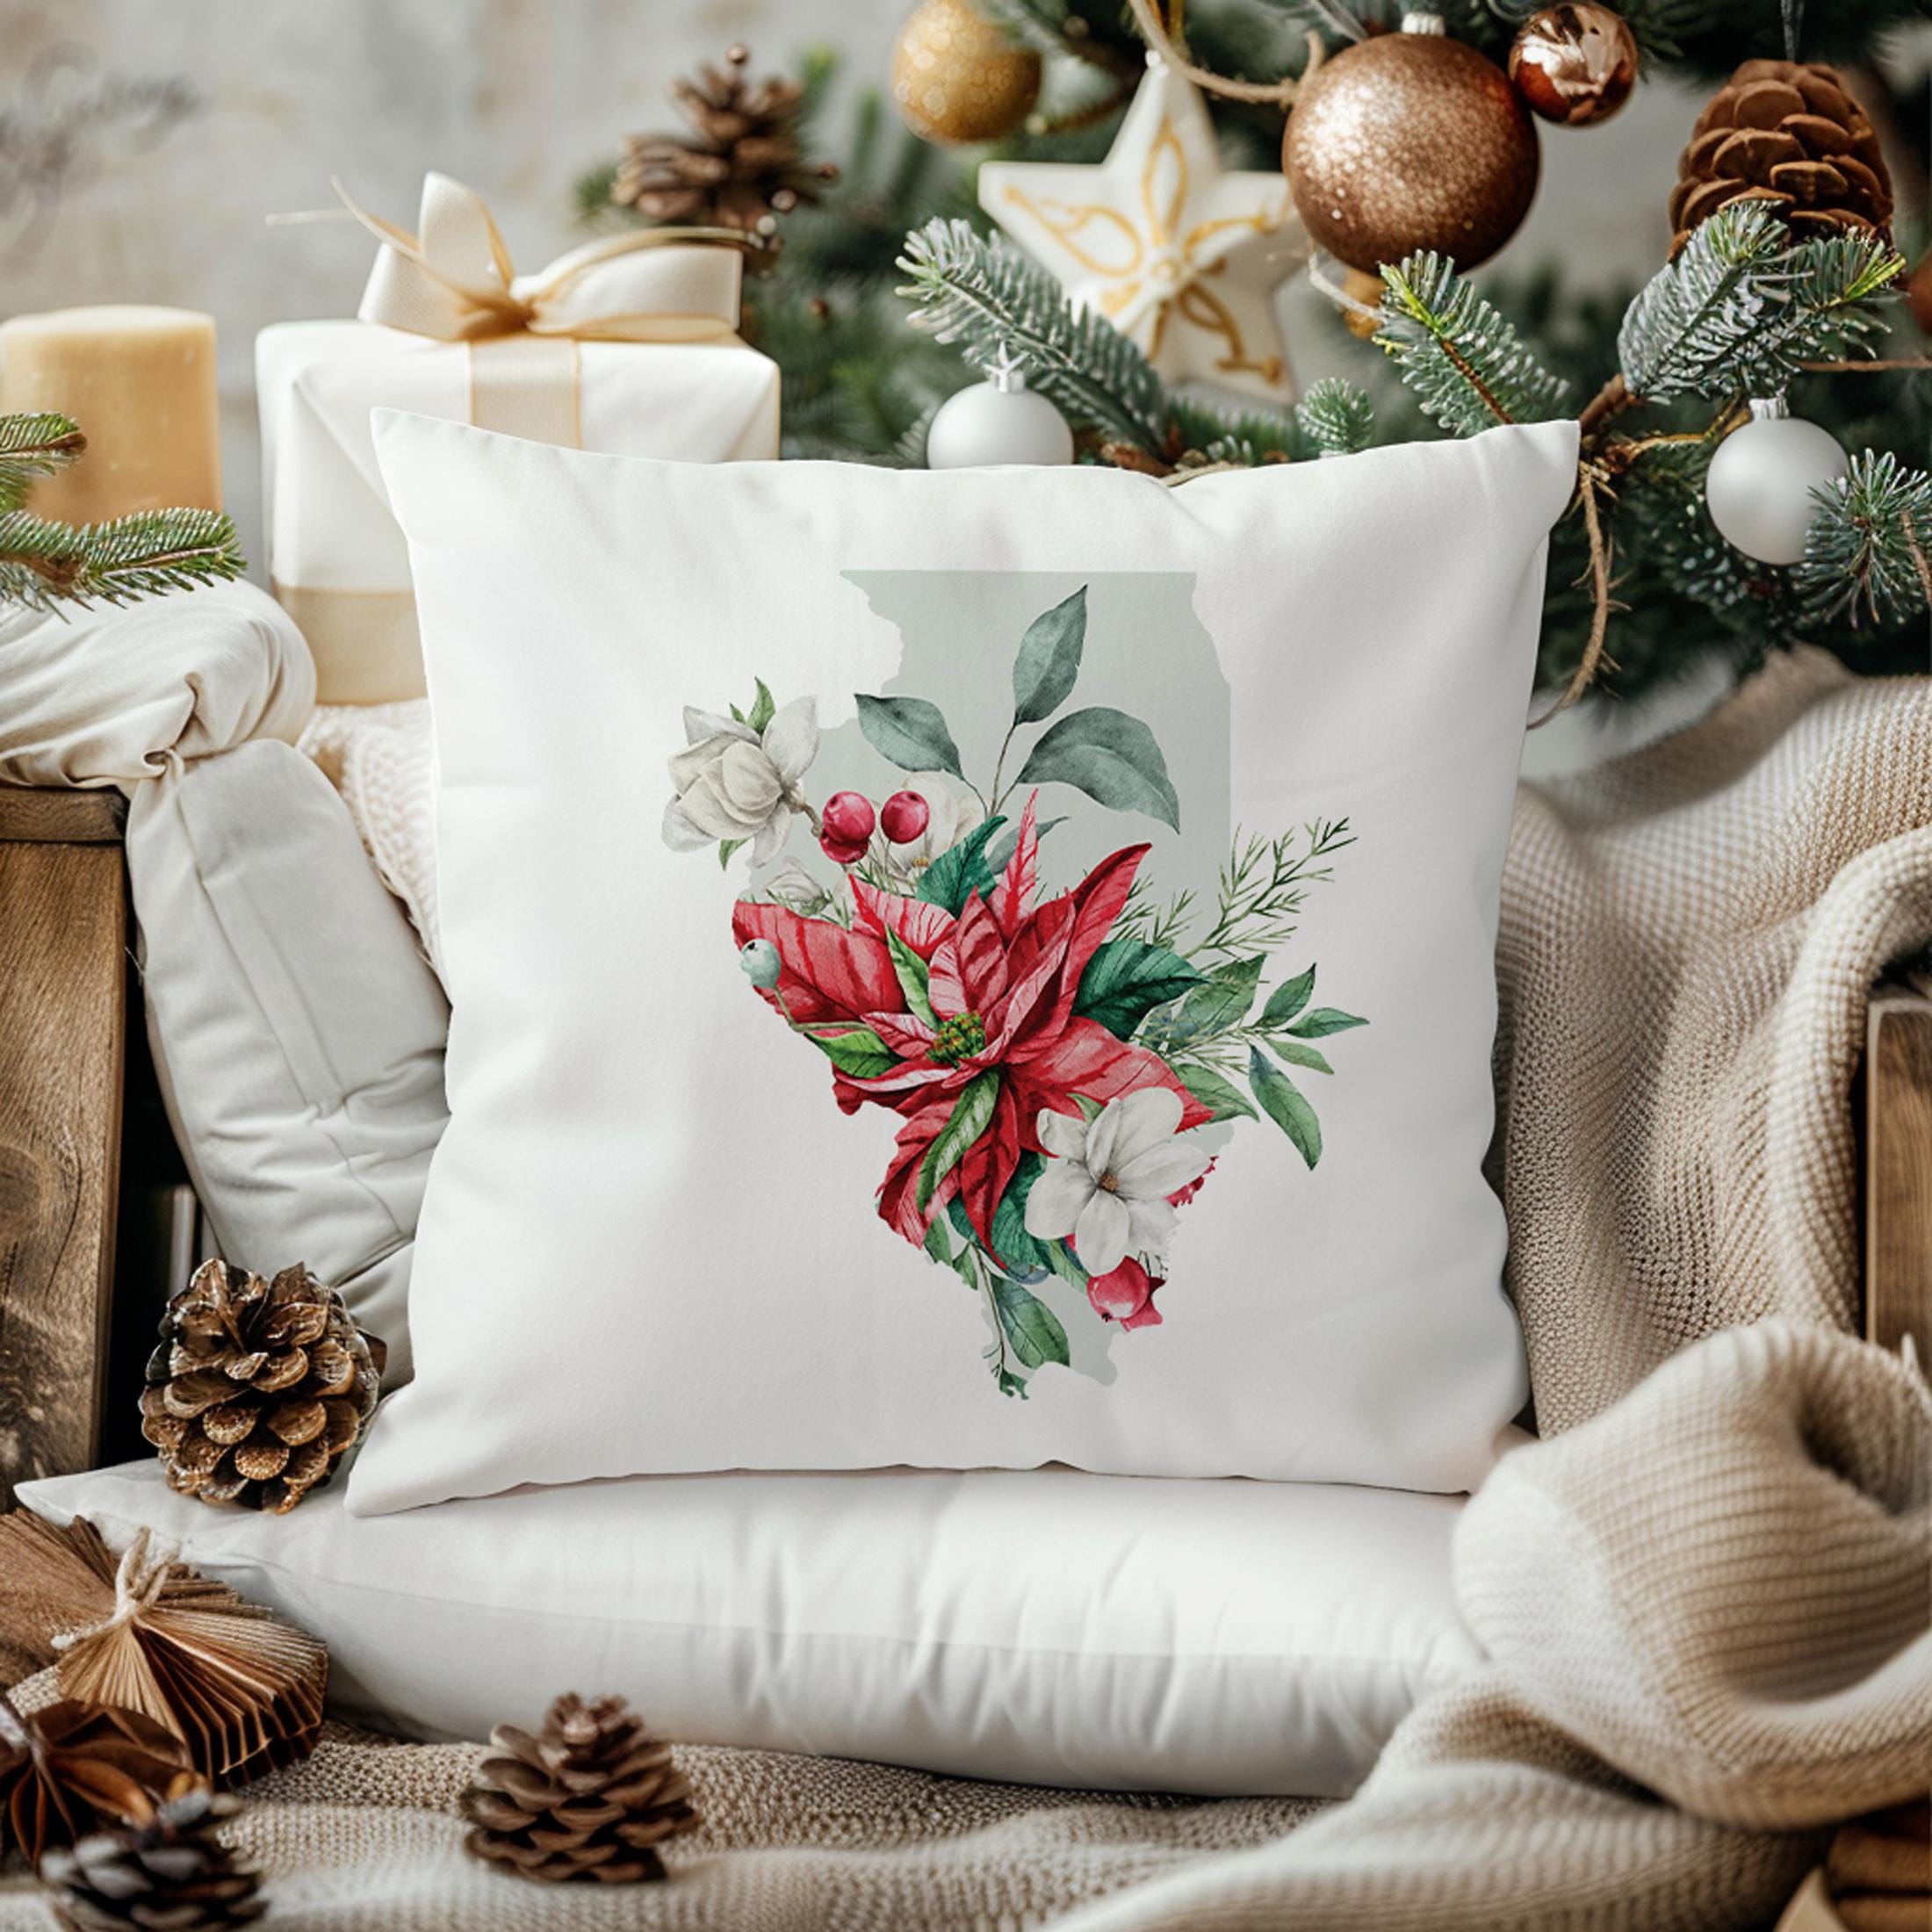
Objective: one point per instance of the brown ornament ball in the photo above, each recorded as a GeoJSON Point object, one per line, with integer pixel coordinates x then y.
{"type": "Point", "coordinates": [1410, 140]}
{"type": "Point", "coordinates": [1574, 64]}
{"type": "Point", "coordinates": [956, 78]}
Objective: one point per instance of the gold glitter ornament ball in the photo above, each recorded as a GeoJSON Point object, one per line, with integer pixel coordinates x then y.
{"type": "Point", "coordinates": [1575, 63]}
{"type": "Point", "coordinates": [956, 78]}
{"type": "Point", "coordinates": [1410, 140]}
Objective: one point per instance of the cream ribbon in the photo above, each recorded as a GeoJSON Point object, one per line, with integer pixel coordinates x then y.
{"type": "Point", "coordinates": [453, 281]}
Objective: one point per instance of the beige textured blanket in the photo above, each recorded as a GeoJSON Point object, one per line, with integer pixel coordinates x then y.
{"type": "Point", "coordinates": [1706, 1598]}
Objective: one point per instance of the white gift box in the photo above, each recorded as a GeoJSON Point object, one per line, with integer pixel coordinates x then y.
{"type": "Point", "coordinates": [338, 556]}
{"type": "Point", "coordinates": [624, 345]}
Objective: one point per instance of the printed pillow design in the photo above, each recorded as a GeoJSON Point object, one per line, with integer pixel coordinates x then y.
{"type": "Point", "coordinates": [1067, 1060]}
{"type": "Point", "coordinates": [965, 969]}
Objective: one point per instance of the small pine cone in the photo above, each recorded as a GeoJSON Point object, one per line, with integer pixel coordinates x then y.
{"type": "Point", "coordinates": [591, 1796]}
{"type": "Point", "coordinates": [739, 167]}
{"type": "Point", "coordinates": [1791, 136]}
{"type": "Point", "coordinates": [170, 1875]}
{"type": "Point", "coordinates": [258, 1388]}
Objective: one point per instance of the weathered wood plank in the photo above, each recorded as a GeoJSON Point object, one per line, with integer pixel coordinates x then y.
{"type": "Point", "coordinates": [1899, 1169]}
{"type": "Point", "coordinates": [39, 817]}
{"type": "Point", "coordinates": [63, 937]}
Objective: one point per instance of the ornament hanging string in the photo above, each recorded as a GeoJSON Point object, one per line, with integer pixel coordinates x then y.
{"type": "Point", "coordinates": [138, 1585]}
{"type": "Point", "coordinates": [1279, 93]}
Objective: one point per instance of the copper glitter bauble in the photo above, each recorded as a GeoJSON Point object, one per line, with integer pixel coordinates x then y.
{"type": "Point", "coordinates": [1410, 140]}
{"type": "Point", "coordinates": [956, 77]}
{"type": "Point", "coordinates": [1574, 64]}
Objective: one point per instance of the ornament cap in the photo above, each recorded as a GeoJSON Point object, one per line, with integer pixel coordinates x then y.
{"type": "Point", "coordinates": [1423, 21]}
{"type": "Point", "coordinates": [1769, 409]}
{"type": "Point", "coordinates": [1008, 373]}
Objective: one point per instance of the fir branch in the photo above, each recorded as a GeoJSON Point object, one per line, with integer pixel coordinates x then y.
{"type": "Point", "coordinates": [1337, 417]}
{"type": "Point", "coordinates": [1464, 362]}
{"type": "Point", "coordinates": [43, 563]}
{"type": "Point", "coordinates": [1866, 554]}
{"type": "Point", "coordinates": [32, 447]}
{"type": "Point", "coordinates": [1740, 312]}
{"type": "Point", "coordinates": [1262, 886]}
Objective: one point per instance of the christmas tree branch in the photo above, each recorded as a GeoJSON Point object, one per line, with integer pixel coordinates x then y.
{"type": "Point", "coordinates": [44, 564]}
{"type": "Point", "coordinates": [34, 446]}
{"type": "Point", "coordinates": [1866, 555]}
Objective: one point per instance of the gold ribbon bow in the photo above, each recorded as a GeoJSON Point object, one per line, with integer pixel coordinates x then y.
{"type": "Point", "coordinates": [453, 281]}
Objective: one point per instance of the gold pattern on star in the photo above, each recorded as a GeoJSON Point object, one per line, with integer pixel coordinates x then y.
{"type": "Point", "coordinates": [1177, 252]}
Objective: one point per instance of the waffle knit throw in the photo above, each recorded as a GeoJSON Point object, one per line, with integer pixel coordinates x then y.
{"type": "Point", "coordinates": [1706, 1595]}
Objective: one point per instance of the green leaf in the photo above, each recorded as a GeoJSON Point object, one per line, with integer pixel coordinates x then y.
{"type": "Point", "coordinates": [764, 709]}
{"type": "Point", "coordinates": [1031, 1326]}
{"type": "Point", "coordinates": [1065, 1262]}
{"type": "Point", "coordinates": [1282, 1100]}
{"type": "Point", "coordinates": [967, 1122]}
{"type": "Point", "coordinates": [1049, 659]}
{"type": "Point", "coordinates": [1012, 1246]}
{"type": "Point", "coordinates": [960, 1264]}
{"type": "Point", "coordinates": [859, 1053]}
{"type": "Point", "coordinates": [1110, 757]}
{"type": "Point", "coordinates": [959, 872]}
{"type": "Point", "coordinates": [1298, 1056]}
{"type": "Point", "coordinates": [1322, 1021]}
{"type": "Point", "coordinates": [726, 847]}
{"type": "Point", "coordinates": [1288, 1000]}
{"type": "Point", "coordinates": [913, 973]}
{"type": "Point", "coordinates": [1213, 1091]}
{"type": "Point", "coordinates": [1214, 1005]}
{"type": "Point", "coordinates": [909, 731]}
{"type": "Point", "coordinates": [1126, 979]}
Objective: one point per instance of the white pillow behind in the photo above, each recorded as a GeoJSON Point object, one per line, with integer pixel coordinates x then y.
{"type": "Point", "coordinates": [803, 1117]}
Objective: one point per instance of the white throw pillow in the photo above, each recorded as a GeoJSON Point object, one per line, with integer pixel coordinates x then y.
{"type": "Point", "coordinates": [1054, 1627]}
{"type": "Point", "coordinates": [881, 913]}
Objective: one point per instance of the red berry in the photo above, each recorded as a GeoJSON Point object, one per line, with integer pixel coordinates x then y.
{"type": "Point", "coordinates": [904, 817]}
{"type": "Point", "coordinates": [848, 819]}
{"type": "Point", "coordinates": [840, 852]}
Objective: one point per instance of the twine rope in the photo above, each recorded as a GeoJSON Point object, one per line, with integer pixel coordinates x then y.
{"type": "Point", "coordinates": [138, 1585]}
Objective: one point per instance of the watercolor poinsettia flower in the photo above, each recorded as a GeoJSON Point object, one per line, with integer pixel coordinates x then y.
{"type": "Point", "coordinates": [977, 1010]}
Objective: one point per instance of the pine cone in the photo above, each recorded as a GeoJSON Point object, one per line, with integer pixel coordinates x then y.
{"type": "Point", "coordinates": [257, 1389]}
{"type": "Point", "coordinates": [1791, 136]}
{"type": "Point", "coordinates": [73, 1767]}
{"type": "Point", "coordinates": [172, 1874]}
{"type": "Point", "coordinates": [591, 1796]}
{"type": "Point", "coordinates": [742, 166]}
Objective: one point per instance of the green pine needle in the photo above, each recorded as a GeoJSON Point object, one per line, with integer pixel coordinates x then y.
{"type": "Point", "coordinates": [1866, 555]}
{"type": "Point", "coordinates": [44, 564]}
{"type": "Point", "coordinates": [34, 446]}
{"type": "Point", "coordinates": [1337, 418]}
{"type": "Point", "coordinates": [1463, 360]}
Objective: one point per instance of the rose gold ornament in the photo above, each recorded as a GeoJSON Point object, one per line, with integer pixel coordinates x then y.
{"type": "Point", "coordinates": [1410, 140]}
{"type": "Point", "coordinates": [956, 78]}
{"type": "Point", "coordinates": [1575, 63]}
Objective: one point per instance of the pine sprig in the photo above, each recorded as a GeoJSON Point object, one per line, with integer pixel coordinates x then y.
{"type": "Point", "coordinates": [44, 564]}
{"type": "Point", "coordinates": [1741, 310]}
{"type": "Point", "coordinates": [1337, 417]}
{"type": "Point", "coordinates": [1867, 552]}
{"type": "Point", "coordinates": [1460, 356]}
{"type": "Point", "coordinates": [32, 447]}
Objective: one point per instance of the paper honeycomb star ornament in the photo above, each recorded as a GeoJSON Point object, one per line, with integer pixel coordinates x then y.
{"type": "Point", "coordinates": [1177, 252]}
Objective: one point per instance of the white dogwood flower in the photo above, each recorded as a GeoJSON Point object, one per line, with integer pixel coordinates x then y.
{"type": "Point", "coordinates": [733, 782]}
{"type": "Point", "coordinates": [1107, 1180]}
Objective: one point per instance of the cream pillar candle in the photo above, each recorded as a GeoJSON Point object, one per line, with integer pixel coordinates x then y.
{"type": "Point", "coordinates": [140, 382]}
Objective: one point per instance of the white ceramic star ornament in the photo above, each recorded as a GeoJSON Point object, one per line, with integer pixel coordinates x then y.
{"type": "Point", "coordinates": [1177, 252]}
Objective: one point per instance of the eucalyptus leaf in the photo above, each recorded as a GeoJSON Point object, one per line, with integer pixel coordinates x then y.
{"type": "Point", "coordinates": [969, 1120]}
{"type": "Point", "coordinates": [1322, 1021]}
{"type": "Point", "coordinates": [1288, 999]}
{"type": "Point", "coordinates": [910, 733]}
{"type": "Point", "coordinates": [1048, 659]}
{"type": "Point", "coordinates": [1284, 1104]}
{"type": "Point", "coordinates": [1110, 757]}
{"type": "Point", "coordinates": [962, 870]}
{"type": "Point", "coordinates": [1031, 1326]}
{"type": "Point", "coordinates": [1126, 978]}
{"type": "Point", "coordinates": [1298, 1056]}
{"type": "Point", "coordinates": [1214, 1091]}
{"type": "Point", "coordinates": [1212, 1007]}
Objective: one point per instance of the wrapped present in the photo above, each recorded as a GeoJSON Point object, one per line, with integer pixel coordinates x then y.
{"type": "Point", "coordinates": [627, 345]}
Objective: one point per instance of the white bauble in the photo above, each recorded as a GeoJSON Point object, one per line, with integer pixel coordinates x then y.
{"type": "Point", "coordinates": [1760, 482]}
{"type": "Point", "coordinates": [997, 420]}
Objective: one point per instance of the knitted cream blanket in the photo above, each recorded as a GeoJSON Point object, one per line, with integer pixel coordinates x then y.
{"type": "Point", "coordinates": [1706, 1596]}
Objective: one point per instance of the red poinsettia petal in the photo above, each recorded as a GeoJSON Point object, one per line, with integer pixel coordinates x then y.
{"type": "Point", "coordinates": [1097, 900]}
{"type": "Point", "coordinates": [899, 1196]}
{"type": "Point", "coordinates": [989, 1165]}
{"type": "Point", "coordinates": [921, 926]}
{"type": "Point", "coordinates": [827, 973]}
{"type": "Point", "coordinates": [1087, 1059]}
{"type": "Point", "coordinates": [1033, 972]}
{"type": "Point", "coordinates": [982, 950]}
{"type": "Point", "coordinates": [1013, 897]}
{"type": "Point", "coordinates": [944, 992]}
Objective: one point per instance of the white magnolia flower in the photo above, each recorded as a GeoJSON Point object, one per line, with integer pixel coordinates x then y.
{"type": "Point", "coordinates": [951, 813]}
{"type": "Point", "coordinates": [733, 782]}
{"type": "Point", "coordinates": [1107, 1181]}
